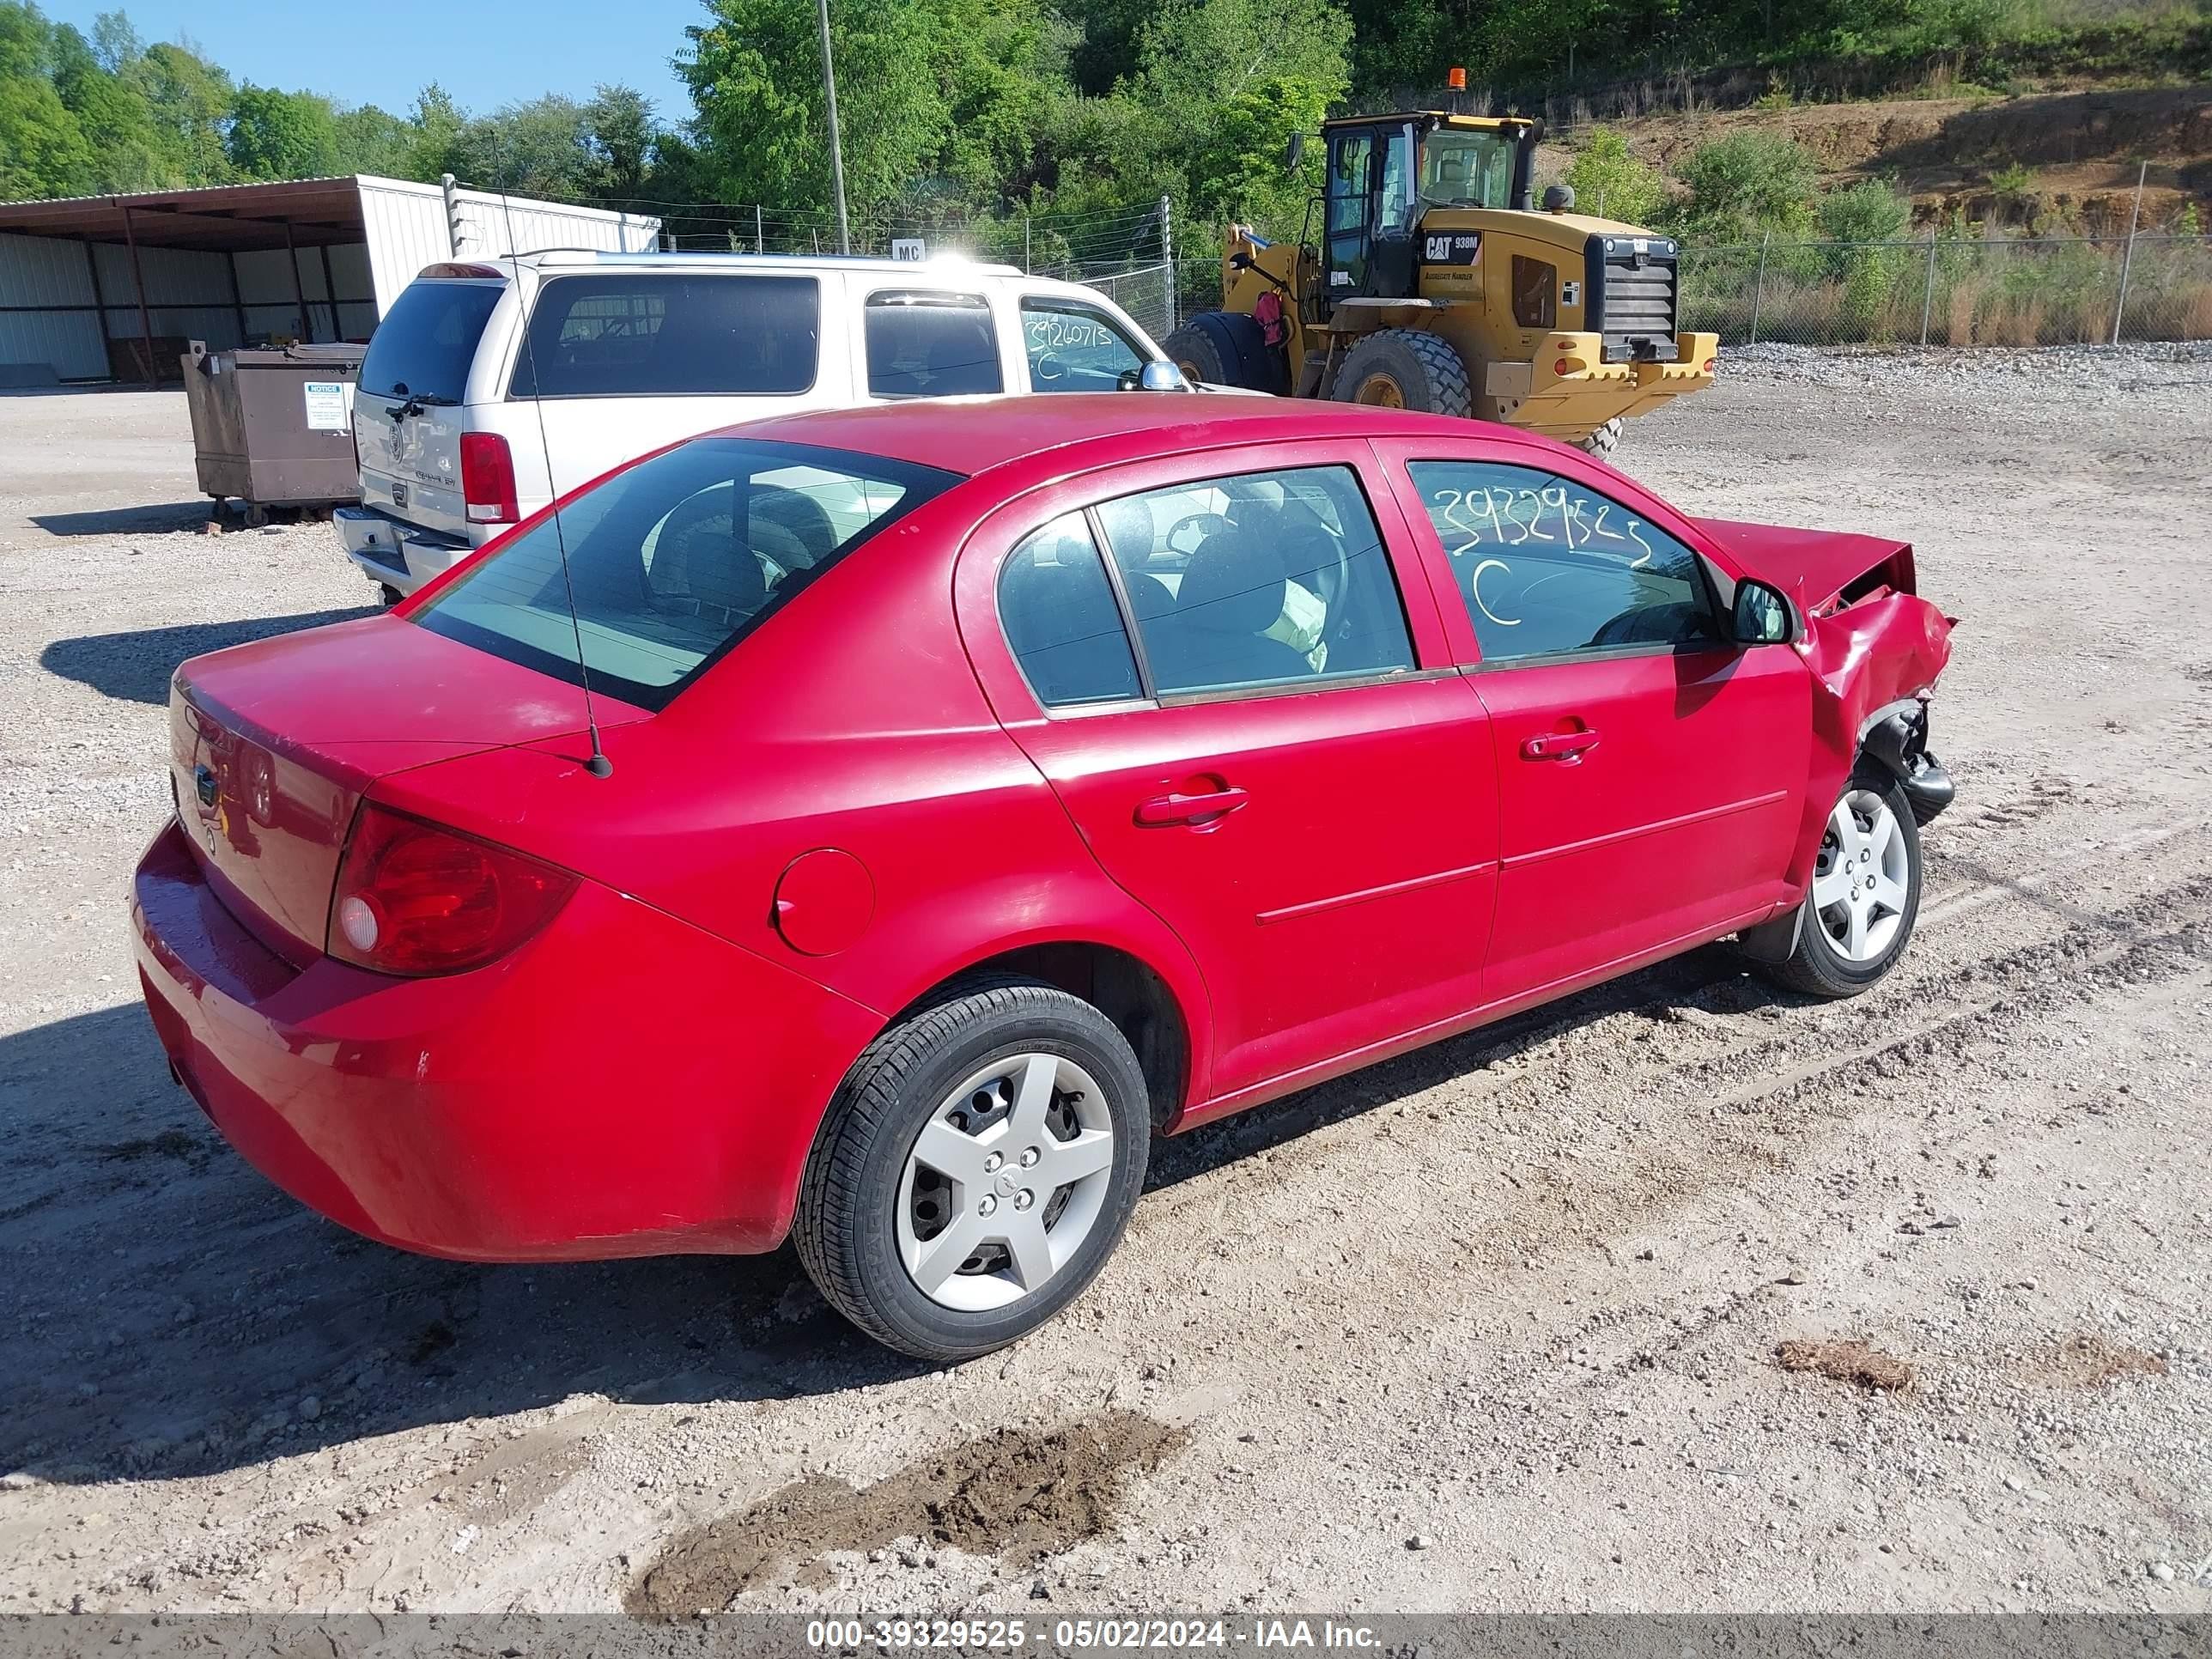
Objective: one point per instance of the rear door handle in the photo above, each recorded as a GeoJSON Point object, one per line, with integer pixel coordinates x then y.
{"type": "Point", "coordinates": [1189, 809]}
{"type": "Point", "coordinates": [1558, 745]}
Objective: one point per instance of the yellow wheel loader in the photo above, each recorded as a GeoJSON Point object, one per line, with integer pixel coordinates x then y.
{"type": "Point", "coordinates": [1436, 287]}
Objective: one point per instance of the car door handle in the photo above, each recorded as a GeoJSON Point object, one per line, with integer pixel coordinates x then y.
{"type": "Point", "coordinates": [1189, 809]}
{"type": "Point", "coordinates": [1558, 745]}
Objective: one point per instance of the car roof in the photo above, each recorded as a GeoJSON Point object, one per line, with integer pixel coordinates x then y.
{"type": "Point", "coordinates": [971, 436]}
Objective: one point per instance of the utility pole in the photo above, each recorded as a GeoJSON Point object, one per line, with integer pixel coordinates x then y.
{"type": "Point", "coordinates": [836, 150]}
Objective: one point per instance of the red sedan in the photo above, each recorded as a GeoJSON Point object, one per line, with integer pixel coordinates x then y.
{"type": "Point", "coordinates": [978, 791]}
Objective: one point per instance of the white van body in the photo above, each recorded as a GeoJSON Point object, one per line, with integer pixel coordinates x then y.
{"type": "Point", "coordinates": [626, 352]}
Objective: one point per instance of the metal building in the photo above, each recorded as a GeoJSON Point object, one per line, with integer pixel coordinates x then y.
{"type": "Point", "coordinates": [101, 287]}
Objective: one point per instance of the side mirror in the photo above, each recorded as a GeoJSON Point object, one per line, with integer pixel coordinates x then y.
{"type": "Point", "coordinates": [1761, 616]}
{"type": "Point", "coordinates": [1157, 376]}
{"type": "Point", "coordinates": [1294, 152]}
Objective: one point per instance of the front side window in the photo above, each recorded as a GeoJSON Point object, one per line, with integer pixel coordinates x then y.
{"type": "Point", "coordinates": [673, 560]}
{"type": "Point", "coordinates": [1350, 161]}
{"type": "Point", "coordinates": [1547, 567]}
{"type": "Point", "coordinates": [632, 334]}
{"type": "Point", "coordinates": [1262, 579]}
{"type": "Point", "coordinates": [1073, 347]}
{"type": "Point", "coordinates": [1061, 621]}
{"type": "Point", "coordinates": [931, 345]}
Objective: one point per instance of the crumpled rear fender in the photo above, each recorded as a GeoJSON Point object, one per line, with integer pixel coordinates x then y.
{"type": "Point", "coordinates": [1868, 661]}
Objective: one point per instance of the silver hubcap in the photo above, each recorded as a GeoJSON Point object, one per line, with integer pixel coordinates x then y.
{"type": "Point", "coordinates": [1004, 1182]}
{"type": "Point", "coordinates": [1860, 881]}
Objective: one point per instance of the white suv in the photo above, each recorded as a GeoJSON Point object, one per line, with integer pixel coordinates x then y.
{"type": "Point", "coordinates": [622, 353]}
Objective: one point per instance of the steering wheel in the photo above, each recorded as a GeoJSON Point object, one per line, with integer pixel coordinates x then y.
{"type": "Point", "coordinates": [1209, 524]}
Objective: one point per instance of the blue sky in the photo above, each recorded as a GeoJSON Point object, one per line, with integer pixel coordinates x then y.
{"type": "Point", "coordinates": [486, 52]}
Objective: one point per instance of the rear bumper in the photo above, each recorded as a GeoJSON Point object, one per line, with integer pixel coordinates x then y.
{"type": "Point", "coordinates": [623, 1085]}
{"type": "Point", "coordinates": [392, 553]}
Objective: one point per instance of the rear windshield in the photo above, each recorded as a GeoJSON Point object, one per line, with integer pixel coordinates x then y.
{"type": "Point", "coordinates": [423, 347]}
{"type": "Point", "coordinates": [676, 560]}
{"type": "Point", "coordinates": [633, 334]}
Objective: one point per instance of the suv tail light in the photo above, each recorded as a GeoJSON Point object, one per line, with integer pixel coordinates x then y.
{"type": "Point", "coordinates": [412, 898]}
{"type": "Point", "coordinates": [488, 478]}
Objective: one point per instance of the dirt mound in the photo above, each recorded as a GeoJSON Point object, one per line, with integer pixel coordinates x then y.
{"type": "Point", "coordinates": [2081, 148]}
{"type": "Point", "coordinates": [1850, 1362]}
{"type": "Point", "coordinates": [1013, 1494]}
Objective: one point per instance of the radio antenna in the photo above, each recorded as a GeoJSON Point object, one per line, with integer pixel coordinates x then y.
{"type": "Point", "coordinates": [599, 766]}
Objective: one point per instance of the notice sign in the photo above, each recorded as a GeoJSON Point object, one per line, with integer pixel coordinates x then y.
{"type": "Point", "coordinates": [909, 247]}
{"type": "Point", "coordinates": [330, 405]}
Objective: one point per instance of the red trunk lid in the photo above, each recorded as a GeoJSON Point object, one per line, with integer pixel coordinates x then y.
{"type": "Point", "coordinates": [271, 746]}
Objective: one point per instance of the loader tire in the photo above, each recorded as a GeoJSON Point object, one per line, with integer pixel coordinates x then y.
{"type": "Point", "coordinates": [1226, 348]}
{"type": "Point", "coordinates": [1602, 442]}
{"type": "Point", "coordinates": [1405, 368]}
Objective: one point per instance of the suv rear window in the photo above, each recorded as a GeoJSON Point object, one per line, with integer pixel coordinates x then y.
{"type": "Point", "coordinates": [423, 347]}
{"type": "Point", "coordinates": [634, 334]}
{"type": "Point", "coordinates": [675, 560]}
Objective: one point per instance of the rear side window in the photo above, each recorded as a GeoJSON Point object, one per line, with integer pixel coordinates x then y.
{"type": "Point", "coordinates": [1262, 579]}
{"type": "Point", "coordinates": [931, 345]}
{"type": "Point", "coordinates": [1061, 620]}
{"type": "Point", "coordinates": [423, 347]}
{"type": "Point", "coordinates": [1547, 567]}
{"type": "Point", "coordinates": [675, 560]}
{"type": "Point", "coordinates": [661, 334]}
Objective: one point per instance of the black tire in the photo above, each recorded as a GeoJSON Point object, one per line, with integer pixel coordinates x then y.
{"type": "Point", "coordinates": [389, 594]}
{"type": "Point", "coordinates": [1229, 349]}
{"type": "Point", "coordinates": [1815, 967]}
{"type": "Point", "coordinates": [1603, 441]}
{"type": "Point", "coordinates": [846, 1227]}
{"type": "Point", "coordinates": [1426, 371]}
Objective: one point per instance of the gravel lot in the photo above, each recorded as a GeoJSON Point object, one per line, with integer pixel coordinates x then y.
{"type": "Point", "coordinates": [1541, 1318]}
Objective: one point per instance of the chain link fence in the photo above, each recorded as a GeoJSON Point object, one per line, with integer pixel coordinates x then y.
{"type": "Point", "coordinates": [1939, 290]}
{"type": "Point", "coordinates": [1950, 290]}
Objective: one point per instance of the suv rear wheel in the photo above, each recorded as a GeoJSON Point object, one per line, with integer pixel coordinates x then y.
{"type": "Point", "coordinates": [976, 1169]}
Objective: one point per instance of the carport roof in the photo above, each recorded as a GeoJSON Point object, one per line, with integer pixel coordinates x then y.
{"type": "Point", "coordinates": [227, 218]}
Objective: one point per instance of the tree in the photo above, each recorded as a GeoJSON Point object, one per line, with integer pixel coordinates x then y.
{"type": "Point", "coordinates": [190, 101]}
{"type": "Point", "coordinates": [1609, 181]}
{"type": "Point", "coordinates": [1747, 184]}
{"type": "Point", "coordinates": [43, 152]}
{"type": "Point", "coordinates": [25, 42]}
{"type": "Point", "coordinates": [116, 41]}
{"type": "Point", "coordinates": [281, 134]}
{"type": "Point", "coordinates": [755, 73]}
{"type": "Point", "coordinates": [1238, 172]}
{"type": "Point", "coordinates": [622, 135]}
{"type": "Point", "coordinates": [372, 140]}
{"type": "Point", "coordinates": [115, 116]}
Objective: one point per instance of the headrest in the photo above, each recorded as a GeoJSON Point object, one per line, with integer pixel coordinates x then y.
{"type": "Point", "coordinates": [1233, 585]}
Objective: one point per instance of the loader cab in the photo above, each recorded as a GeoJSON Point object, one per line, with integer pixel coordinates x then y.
{"type": "Point", "coordinates": [1386, 174]}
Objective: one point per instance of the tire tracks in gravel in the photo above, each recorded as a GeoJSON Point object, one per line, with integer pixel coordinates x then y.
{"type": "Point", "coordinates": [1716, 1104]}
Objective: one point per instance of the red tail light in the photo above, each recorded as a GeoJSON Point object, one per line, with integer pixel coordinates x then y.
{"type": "Point", "coordinates": [488, 478]}
{"type": "Point", "coordinates": [412, 898]}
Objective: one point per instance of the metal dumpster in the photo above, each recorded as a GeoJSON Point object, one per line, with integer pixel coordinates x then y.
{"type": "Point", "coordinates": [273, 426]}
